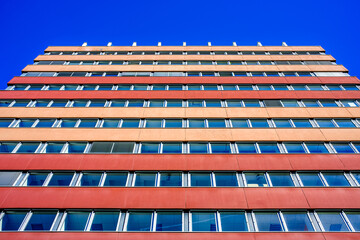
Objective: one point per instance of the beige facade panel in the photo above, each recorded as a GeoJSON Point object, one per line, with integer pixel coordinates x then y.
{"type": "Point", "coordinates": [184, 48]}
{"type": "Point", "coordinates": [180, 113]}
{"type": "Point", "coordinates": [182, 68]}
{"type": "Point", "coordinates": [184, 57]}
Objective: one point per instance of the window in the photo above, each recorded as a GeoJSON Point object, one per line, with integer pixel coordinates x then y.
{"type": "Point", "coordinates": [101, 147]}
{"type": "Point", "coordinates": [153, 123]}
{"type": "Point", "coordinates": [302, 123]}
{"type": "Point", "coordinates": [198, 147]}
{"type": "Point", "coordinates": [345, 123]}
{"type": "Point", "coordinates": [233, 103]}
{"type": "Point", "coordinates": [233, 221]}
{"type": "Point", "coordinates": [90, 179]}
{"type": "Point", "coordinates": [105, 221]}
{"type": "Point", "coordinates": [145, 179]}
{"type": "Point", "coordinates": [213, 103]}
{"type": "Point", "coordinates": [76, 147]}
{"type": "Point", "coordinates": [123, 147]}
{"type": "Point", "coordinates": [203, 221]}
{"type": "Point", "coordinates": [298, 221]}
{"type": "Point", "coordinates": [282, 123]}
{"type": "Point", "coordinates": [115, 179]}
{"type": "Point", "coordinates": [75, 221]}
{"type": "Point", "coordinates": [12, 220]}
{"type": "Point", "coordinates": [42, 103]}
{"type": "Point", "coordinates": [8, 178]}
{"type": "Point", "coordinates": [150, 147]}
{"type": "Point", "coordinates": [294, 148]}
{"type": "Point", "coordinates": [130, 123]}
{"type": "Point", "coordinates": [140, 87]}
{"type": "Point", "coordinates": [159, 87]}
{"type": "Point", "coordinates": [325, 123]}
{"type": "Point", "coordinates": [171, 179]}
{"type": "Point", "coordinates": [173, 147]}
{"type": "Point", "coordinates": [310, 179]}
{"type": "Point", "coordinates": [59, 103]}
{"type": "Point", "coordinates": [136, 103]}
{"type": "Point", "coordinates": [315, 87]}
{"type": "Point", "coordinates": [256, 179]}
{"type": "Point", "coordinates": [169, 221]}
{"type": "Point", "coordinates": [195, 103]}
{"type": "Point", "coordinates": [332, 222]}
{"type": "Point", "coordinates": [311, 103]}
{"type": "Point", "coordinates": [139, 221]}
{"type": "Point", "coordinates": [80, 103]}
{"type": "Point", "coordinates": [61, 179]}
{"type": "Point", "coordinates": [259, 123]}
{"type": "Point", "coordinates": [97, 103]}
{"type": "Point", "coordinates": [336, 179]}
{"type": "Point", "coordinates": [35, 179]}
{"type": "Point", "coordinates": [220, 148]}
{"type": "Point", "coordinates": [349, 103]}
{"type": "Point", "coordinates": [342, 148]}
{"type": "Point", "coordinates": [251, 103]}
{"type": "Point", "coordinates": [226, 179]}
{"type": "Point", "coordinates": [264, 87]}
{"type": "Point", "coordinates": [111, 123]}
{"type": "Point", "coordinates": [7, 147]}
{"type": "Point", "coordinates": [229, 87]}
{"type": "Point", "coordinates": [210, 87]}
{"type": "Point", "coordinates": [201, 179]}
{"type": "Point", "coordinates": [175, 87]}
{"type": "Point", "coordinates": [21, 103]}
{"type": "Point", "coordinates": [173, 123]}
{"type": "Point", "coordinates": [40, 221]}
{"type": "Point", "coordinates": [53, 147]}
{"type": "Point", "coordinates": [269, 148]}
{"type": "Point", "coordinates": [245, 87]}
{"type": "Point", "coordinates": [279, 179]}
{"type": "Point", "coordinates": [317, 147]}
{"type": "Point", "coordinates": [196, 123]}
{"type": "Point", "coordinates": [117, 103]}
{"type": "Point", "coordinates": [174, 103]}
{"type": "Point", "coordinates": [246, 148]}
{"type": "Point", "coordinates": [28, 147]}
{"type": "Point", "coordinates": [354, 218]}
{"type": "Point", "coordinates": [268, 222]}
{"type": "Point", "coordinates": [299, 87]}
{"type": "Point", "coordinates": [25, 123]}
{"type": "Point", "coordinates": [290, 103]}
{"type": "Point", "coordinates": [194, 87]}
{"type": "Point", "coordinates": [45, 123]}
{"type": "Point", "coordinates": [272, 103]}
{"type": "Point", "coordinates": [239, 123]}
{"type": "Point", "coordinates": [216, 123]}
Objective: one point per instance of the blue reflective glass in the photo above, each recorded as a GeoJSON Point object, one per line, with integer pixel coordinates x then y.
{"type": "Point", "coordinates": [195, 87]}
{"type": "Point", "coordinates": [342, 148]}
{"type": "Point", "coordinates": [280, 87]}
{"type": "Point", "coordinates": [105, 87]}
{"type": "Point", "coordinates": [200, 179]}
{"type": "Point", "coordinates": [59, 103]}
{"type": "Point", "coordinates": [90, 179]}
{"type": "Point", "coordinates": [12, 220]}
{"type": "Point", "coordinates": [196, 123]}
{"type": "Point", "coordinates": [150, 147]}
{"type": "Point", "coordinates": [216, 123]}
{"type": "Point", "coordinates": [139, 221]}
{"type": "Point", "coordinates": [302, 123]}
{"type": "Point", "coordinates": [40, 221]}
{"type": "Point", "coordinates": [5, 122]}
{"type": "Point", "coordinates": [256, 179]}
{"type": "Point", "coordinates": [97, 103]}
{"type": "Point", "coordinates": [175, 87]}
{"type": "Point", "coordinates": [130, 123]}
{"type": "Point", "coordinates": [174, 103]}
{"type": "Point", "coordinates": [210, 87]}
{"type": "Point", "coordinates": [264, 87]}
{"type": "Point", "coordinates": [124, 87]}
{"type": "Point", "coordinates": [140, 87]}
{"type": "Point", "coordinates": [354, 218]}
{"type": "Point", "coordinates": [36, 179]}
{"type": "Point", "coordinates": [80, 103]}
{"type": "Point", "coordinates": [289, 103]}
{"type": "Point", "coordinates": [195, 103]}
{"type": "Point", "coordinates": [145, 179]}
{"type": "Point", "coordinates": [229, 87]}
{"type": "Point", "coordinates": [28, 147]}
{"type": "Point", "coordinates": [325, 123]}
{"type": "Point", "coordinates": [74, 147]}
{"type": "Point", "coordinates": [220, 148]}
{"type": "Point", "coordinates": [157, 103]}
{"type": "Point", "coordinates": [328, 103]}
{"type": "Point", "coordinates": [53, 147]}
{"type": "Point", "coordinates": [68, 123]}
{"type": "Point", "coordinates": [332, 222]}
{"type": "Point", "coordinates": [294, 148]}
{"type": "Point", "coordinates": [233, 103]}
{"type": "Point", "coordinates": [213, 103]}
{"type": "Point", "coordinates": [298, 221]}
{"type": "Point", "coordinates": [310, 179]}
{"type": "Point", "coordinates": [198, 148]}
{"type": "Point", "coordinates": [233, 222]}
{"type": "Point", "coordinates": [299, 87]}
{"type": "Point", "coordinates": [117, 103]}
{"type": "Point", "coordinates": [316, 148]}
{"type": "Point", "coordinates": [136, 103]}
{"type": "Point", "coordinates": [110, 123]}
{"type": "Point", "coordinates": [21, 103]}
{"type": "Point", "coordinates": [269, 148]}
{"type": "Point", "coordinates": [251, 103]}
{"type": "Point", "coordinates": [335, 179]}
{"type": "Point", "coordinates": [315, 87]}
{"type": "Point", "coordinates": [311, 103]}
{"type": "Point", "coordinates": [345, 123]}
{"type": "Point", "coordinates": [239, 123]}
{"type": "Point", "coordinates": [115, 179]}
{"type": "Point", "coordinates": [350, 87]}
{"type": "Point", "coordinates": [159, 87]}
{"type": "Point", "coordinates": [105, 221]}
{"type": "Point", "coordinates": [7, 147]}
{"type": "Point", "coordinates": [76, 221]}
{"type": "Point", "coordinates": [268, 222]}
{"type": "Point", "coordinates": [171, 179]}
{"type": "Point", "coordinates": [87, 123]}
{"type": "Point", "coordinates": [172, 147]}
{"type": "Point", "coordinates": [245, 87]}
{"type": "Point", "coordinates": [334, 87]}
{"type": "Point", "coordinates": [169, 221]}
{"type": "Point", "coordinates": [282, 123]}
{"type": "Point", "coordinates": [173, 123]}
{"type": "Point", "coordinates": [259, 123]}
{"type": "Point", "coordinates": [226, 179]}
{"type": "Point", "coordinates": [153, 123]}
{"type": "Point", "coordinates": [281, 179]}
{"type": "Point", "coordinates": [203, 221]}
{"type": "Point", "coordinates": [24, 123]}
{"type": "Point", "coordinates": [5, 103]}
{"type": "Point", "coordinates": [46, 123]}
{"type": "Point", "coordinates": [246, 148]}
{"type": "Point", "coordinates": [61, 179]}
{"type": "Point", "coordinates": [89, 87]}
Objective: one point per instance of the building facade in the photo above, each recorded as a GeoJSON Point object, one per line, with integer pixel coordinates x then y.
{"type": "Point", "coordinates": [181, 142]}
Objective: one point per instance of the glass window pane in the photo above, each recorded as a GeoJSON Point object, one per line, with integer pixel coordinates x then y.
{"type": "Point", "coordinates": [105, 87]}
{"type": "Point", "coordinates": [226, 179]}
{"type": "Point", "coordinates": [153, 123]}
{"type": "Point", "coordinates": [54, 87]}
{"type": "Point", "coordinates": [210, 87]}
{"type": "Point", "coordinates": [195, 103]}
{"type": "Point", "coordinates": [139, 221]}
{"type": "Point", "coordinates": [354, 218]}
{"type": "Point", "coordinates": [97, 103]}
{"type": "Point", "coordinates": [173, 123]}
{"type": "Point", "coordinates": [35, 179]}
{"type": "Point", "coordinates": [28, 147]}
{"type": "Point", "coordinates": [332, 222]}
{"type": "Point", "coordinates": [239, 123]}
{"type": "Point", "coordinates": [280, 87]}
{"type": "Point", "coordinates": [350, 87]}
{"type": "Point", "coordinates": [298, 221]}
{"type": "Point", "coordinates": [140, 87]}
{"type": "Point", "coordinates": [268, 222]}
{"type": "Point", "coordinates": [12, 220]}
{"type": "Point", "coordinates": [5, 103]}
{"type": "Point", "coordinates": [61, 179]}
{"type": "Point", "coordinates": [174, 103]}
{"type": "Point", "coordinates": [328, 103]}
{"type": "Point", "coordinates": [198, 148]}
{"type": "Point", "coordinates": [269, 148]}
{"type": "Point", "coordinates": [290, 103]}
{"type": "Point", "coordinates": [294, 148]}
{"type": "Point", "coordinates": [336, 179]}
{"type": "Point", "coordinates": [54, 147]}
{"type": "Point", "coordinates": [89, 87]}
{"type": "Point", "coordinates": [342, 148]}
{"type": "Point", "coordinates": [310, 103]}
{"type": "Point", "coordinates": [136, 103]}
{"type": "Point", "coordinates": [24, 123]}
{"type": "Point", "coordinates": [90, 179]}
{"type": "Point", "coordinates": [172, 148]}
{"type": "Point", "coordinates": [349, 103]}
{"type": "Point", "coordinates": [76, 221]}
{"type": "Point", "coordinates": [169, 221]}
{"type": "Point", "coordinates": [115, 179]}
{"type": "Point", "coordinates": [7, 147]}
{"type": "Point", "coordinates": [325, 123]}
{"type": "Point", "coordinates": [150, 147]}
{"type": "Point", "coordinates": [264, 87]}
{"type": "Point", "coordinates": [272, 103]}
{"type": "Point", "coordinates": [315, 87]}
{"type": "Point", "coordinates": [194, 87]}
{"type": "Point", "coordinates": [200, 179]}
{"type": "Point", "coordinates": [316, 148]}
{"type": "Point", "coordinates": [345, 123]}
{"type": "Point", "coordinates": [111, 123]}
{"type": "Point", "coordinates": [196, 123]}
{"type": "Point", "coordinates": [203, 221]}
{"type": "Point", "coordinates": [334, 87]}
{"type": "Point", "coordinates": [117, 103]}
{"type": "Point", "coordinates": [171, 179]}
{"type": "Point", "coordinates": [216, 123]}
{"type": "Point", "coordinates": [213, 103]}
{"type": "Point", "coordinates": [229, 87]}
{"type": "Point", "coordinates": [46, 123]}
{"type": "Point", "coordinates": [87, 123]}
{"type": "Point", "coordinates": [123, 147]}
{"type": "Point", "coordinates": [175, 87]}
{"type": "Point", "coordinates": [233, 103]}
{"type": "Point", "coordinates": [256, 179]}
{"type": "Point", "coordinates": [59, 103]}
{"type": "Point", "coordinates": [245, 87]}
{"type": "Point", "coordinates": [101, 147]}
{"type": "Point", "coordinates": [130, 123]}
{"type": "Point", "coordinates": [80, 103]}
{"type": "Point", "coordinates": [251, 103]}
{"type": "Point", "coordinates": [299, 87]}
{"type": "Point", "coordinates": [259, 123]}
{"type": "Point", "coordinates": [302, 123]}
{"type": "Point", "coordinates": [145, 179]}
{"type": "Point", "coordinates": [233, 222]}
{"type": "Point", "coordinates": [74, 147]}
{"type": "Point", "coordinates": [281, 179]}
{"type": "Point", "coordinates": [220, 148]}
{"type": "Point", "coordinates": [282, 123]}
{"type": "Point", "coordinates": [159, 87]}
{"type": "Point", "coordinates": [105, 221]}
{"type": "Point", "coordinates": [40, 221]}
{"type": "Point", "coordinates": [21, 103]}
{"type": "Point", "coordinates": [310, 179]}
{"type": "Point", "coordinates": [246, 147]}
{"type": "Point", "coordinates": [8, 178]}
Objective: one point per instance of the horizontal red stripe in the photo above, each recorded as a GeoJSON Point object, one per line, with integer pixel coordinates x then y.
{"type": "Point", "coordinates": [181, 162]}
{"type": "Point", "coordinates": [183, 80]}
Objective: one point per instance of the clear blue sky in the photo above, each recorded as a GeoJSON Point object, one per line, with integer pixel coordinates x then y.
{"type": "Point", "coordinates": [28, 27]}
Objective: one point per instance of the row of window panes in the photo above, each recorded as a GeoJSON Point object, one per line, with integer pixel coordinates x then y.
{"type": "Point", "coordinates": [202, 62]}
{"type": "Point", "coordinates": [183, 74]}
{"type": "Point", "coordinates": [292, 220]}
{"type": "Point", "coordinates": [180, 123]}
{"type": "Point", "coordinates": [180, 179]}
{"type": "Point", "coordinates": [189, 87]}
{"type": "Point", "coordinates": [181, 148]}
{"type": "Point", "coordinates": [188, 53]}
{"type": "Point", "coordinates": [179, 103]}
